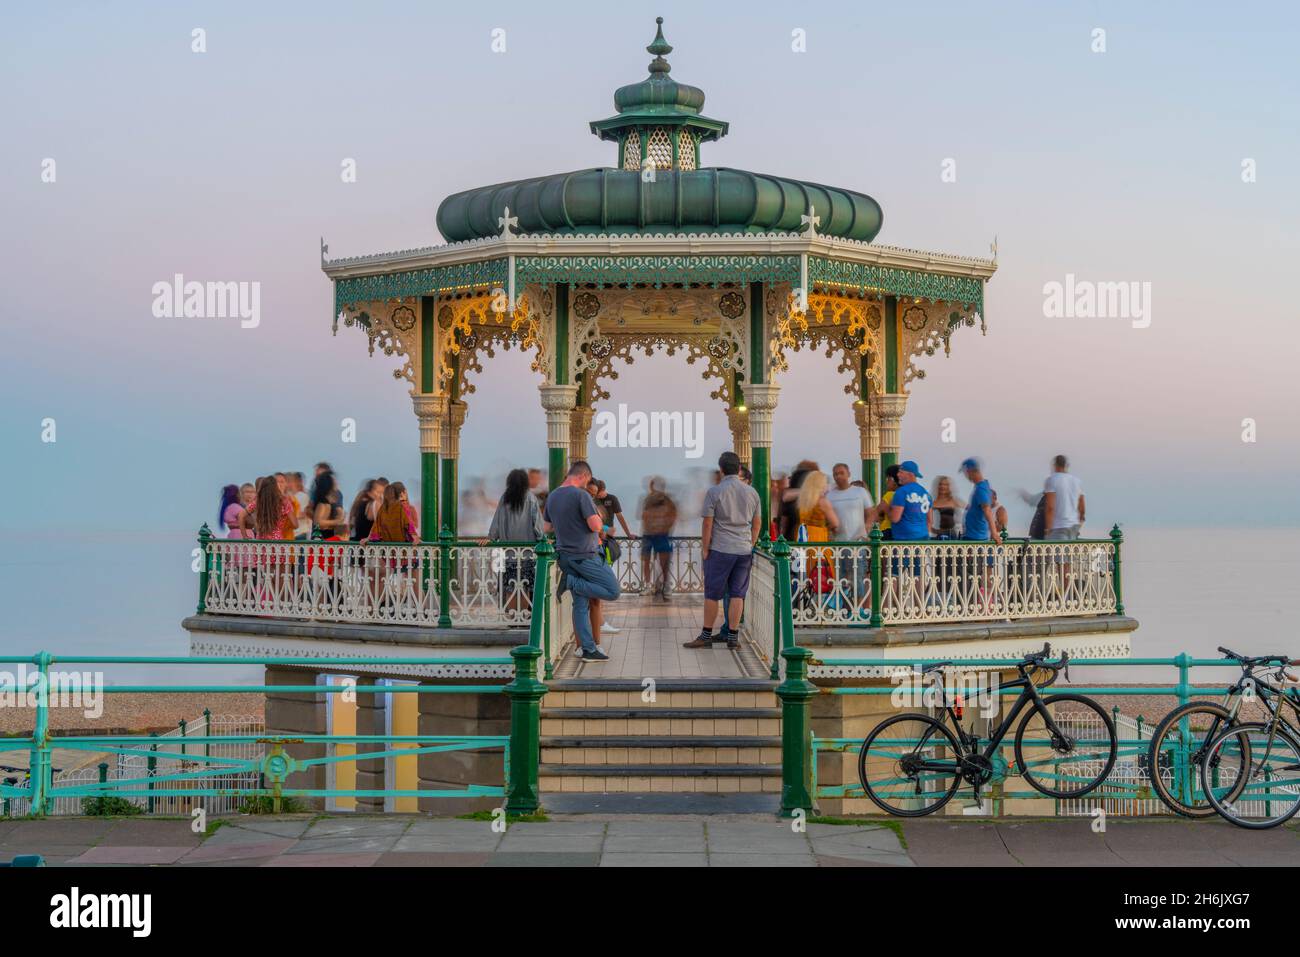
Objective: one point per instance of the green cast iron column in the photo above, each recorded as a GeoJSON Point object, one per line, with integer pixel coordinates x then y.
{"type": "Point", "coordinates": [891, 367]}
{"type": "Point", "coordinates": [870, 466]}
{"type": "Point", "coordinates": [450, 460]}
{"type": "Point", "coordinates": [1117, 537]}
{"type": "Point", "coordinates": [760, 456]}
{"type": "Point", "coordinates": [558, 457]}
{"type": "Point", "coordinates": [428, 457]}
{"type": "Point", "coordinates": [795, 693]}
{"type": "Point", "coordinates": [450, 498]}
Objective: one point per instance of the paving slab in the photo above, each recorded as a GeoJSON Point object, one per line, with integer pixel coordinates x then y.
{"type": "Point", "coordinates": [728, 859]}
{"type": "Point", "coordinates": [483, 839]}
{"type": "Point", "coordinates": [549, 859]}
{"type": "Point", "coordinates": [213, 852]}
{"type": "Point", "coordinates": [323, 860]}
{"type": "Point", "coordinates": [275, 827]}
{"type": "Point", "coordinates": [654, 843]}
{"type": "Point", "coordinates": [946, 843]}
{"type": "Point", "coordinates": [756, 838]}
{"type": "Point", "coordinates": [1059, 843]}
{"type": "Point", "coordinates": [53, 853]}
{"type": "Point", "coordinates": [344, 845]}
{"type": "Point", "coordinates": [515, 841]}
{"type": "Point", "coordinates": [358, 827]}
{"type": "Point", "coordinates": [65, 832]}
{"type": "Point", "coordinates": [683, 859]}
{"type": "Point", "coordinates": [655, 828]}
{"type": "Point", "coordinates": [400, 858]}
{"type": "Point", "coordinates": [829, 860]}
{"type": "Point", "coordinates": [1161, 844]}
{"type": "Point", "coordinates": [557, 828]}
{"type": "Point", "coordinates": [131, 854]}
{"type": "Point", "coordinates": [140, 831]}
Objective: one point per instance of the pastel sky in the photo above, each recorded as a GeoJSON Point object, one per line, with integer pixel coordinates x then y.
{"type": "Point", "coordinates": [1117, 166]}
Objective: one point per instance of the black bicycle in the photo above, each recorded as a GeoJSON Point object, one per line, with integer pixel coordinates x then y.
{"type": "Point", "coordinates": [1181, 740]}
{"type": "Point", "coordinates": [912, 764]}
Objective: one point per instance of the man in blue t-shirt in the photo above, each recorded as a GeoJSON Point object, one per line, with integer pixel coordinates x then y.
{"type": "Point", "coordinates": [980, 524]}
{"type": "Point", "coordinates": [910, 507]}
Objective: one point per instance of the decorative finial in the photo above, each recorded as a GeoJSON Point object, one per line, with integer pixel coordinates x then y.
{"type": "Point", "coordinates": [811, 220]}
{"type": "Point", "coordinates": [660, 49]}
{"type": "Point", "coordinates": [324, 248]}
{"type": "Point", "coordinates": [507, 223]}
{"type": "Point", "coordinates": [993, 247]}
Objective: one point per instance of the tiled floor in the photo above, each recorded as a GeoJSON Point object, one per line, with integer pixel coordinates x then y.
{"type": "Point", "coordinates": [649, 643]}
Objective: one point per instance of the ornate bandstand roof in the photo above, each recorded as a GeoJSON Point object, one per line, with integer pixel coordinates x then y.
{"type": "Point", "coordinates": [659, 218]}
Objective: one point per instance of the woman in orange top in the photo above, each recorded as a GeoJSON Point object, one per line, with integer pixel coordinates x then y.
{"type": "Point", "coordinates": [818, 520]}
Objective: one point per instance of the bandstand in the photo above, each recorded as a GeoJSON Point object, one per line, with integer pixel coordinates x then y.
{"type": "Point", "coordinates": [584, 271]}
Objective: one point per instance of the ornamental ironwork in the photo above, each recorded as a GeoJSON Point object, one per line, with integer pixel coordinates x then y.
{"type": "Point", "coordinates": [403, 318]}
{"type": "Point", "coordinates": [914, 318]}
{"type": "Point", "coordinates": [896, 281]}
{"type": "Point", "coordinates": [586, 305]}
{"type": "Point", "coordinates": [732, 305]}
{"type": "Point", "coordinates": [657, 271]}
{"type": "Point", "coordinates": [419, 282]}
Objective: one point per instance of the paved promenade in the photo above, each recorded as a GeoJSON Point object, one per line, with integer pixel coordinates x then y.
{"type": "Point", "coordinates": [642, 841]}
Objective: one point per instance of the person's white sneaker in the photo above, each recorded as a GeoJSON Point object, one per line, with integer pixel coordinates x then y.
{"type": "Point", "coordinates": [607, 629]}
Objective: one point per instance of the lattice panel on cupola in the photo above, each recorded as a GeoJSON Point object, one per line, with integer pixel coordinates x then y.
{"type": "Point", "coordinates": [685, 150]}
{"type": "Point", "coordinates": [659, 148]}
{"type": "Point", "coordinates": [632, 152]}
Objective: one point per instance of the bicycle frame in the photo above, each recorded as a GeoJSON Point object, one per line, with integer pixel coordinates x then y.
{"type": "Point", "coordinates": [1028, 694]}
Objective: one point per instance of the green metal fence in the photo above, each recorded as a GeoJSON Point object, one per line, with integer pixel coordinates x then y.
{"type": "Point", "coordinates": [192, 779]}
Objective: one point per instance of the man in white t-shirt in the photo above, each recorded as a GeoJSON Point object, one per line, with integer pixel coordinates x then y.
{"type": "Point", "coordinates": [1064, 504]}
{"type": "Point", "coordinates": [851, 503]}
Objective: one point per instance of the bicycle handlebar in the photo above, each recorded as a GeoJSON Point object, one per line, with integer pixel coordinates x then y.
{"type": "Point", "coordinates": [1247, 662]}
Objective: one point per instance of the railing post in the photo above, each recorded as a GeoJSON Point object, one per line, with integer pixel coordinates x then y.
{"type": "Point", "coordinates": [794, 692]}
{"type": "Point", "coordinates": [207, 732]}
{"type": "Point", "coordinates": [444, 577]}
{"type": "Point", "coordinates": [151, 768]}
{"type": "Point", "coordinates": [877, 578]}
{"type": "Point", "coordinates": [539, 629]}
{"type": "Point", "coordinates": [525, 692]}
{"type": "Point", "coordinates": [1117, 537]}
{"type": "Point", "coordinates": [183, 724]}
{"type": "Point", "coordinates": [41, 769]}
{"type": "Point", "coordinates": [205, 536]}
{"type": "Point", "coordinates": [796, 729]}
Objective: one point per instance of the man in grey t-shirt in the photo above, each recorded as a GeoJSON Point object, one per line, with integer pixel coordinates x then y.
{"type": "Point", "coordinates": [731, 517]}
{"type": "Point", "coordinates": [572, 515]}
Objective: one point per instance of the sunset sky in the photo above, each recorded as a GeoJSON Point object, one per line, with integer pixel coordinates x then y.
{"type": "Point", "coordinates": [1125, 165]}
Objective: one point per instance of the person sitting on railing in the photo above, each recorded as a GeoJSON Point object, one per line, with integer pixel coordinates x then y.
{"type": "Point", "coordinates": [517, 519]}
{"type": "Point", "coordinates": [570, 512]}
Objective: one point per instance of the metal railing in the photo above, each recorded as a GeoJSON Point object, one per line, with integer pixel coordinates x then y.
{"type": "Point", "coordinates": [453, 582]}
{"type": "Point", "coordinates": [641, 570]}
{"type": "Point", "coordinates": [189, 770]}
{"type": "Point", "coordinates": [886, 582]}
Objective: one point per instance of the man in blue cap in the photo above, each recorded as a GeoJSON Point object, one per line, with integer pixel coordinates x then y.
{"type": "Point", "coordinates": [910, 508]}
{"type": "Point", "coordinates": [980, 523]}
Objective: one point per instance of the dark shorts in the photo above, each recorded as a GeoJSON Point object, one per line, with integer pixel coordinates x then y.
{"type": "Point", "coordinates": [726, 575]}
{"type": "Point", "coordinates": [656, 543]}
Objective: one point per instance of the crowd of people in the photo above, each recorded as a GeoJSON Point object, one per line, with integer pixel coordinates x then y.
{"type": "Point", "coordinates": [585, 518]}
{"type": "Point", "coordinates": [279, 507]}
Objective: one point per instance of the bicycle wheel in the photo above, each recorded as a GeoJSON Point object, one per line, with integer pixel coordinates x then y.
{"type": "Point", "coordinates": [908, 765]}
{"type": "Point", "coordinates": [1177, 750]}
{"type": "Point", "coordinates": [1070, 755]}
{"type": "Point", "coordinates": [1270, 793]}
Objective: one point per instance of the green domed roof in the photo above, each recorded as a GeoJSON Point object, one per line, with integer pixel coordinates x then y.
{"type": "Point", "coordinates": [622, 201]}
{"type": "Point", "coordinates": [658, 99]}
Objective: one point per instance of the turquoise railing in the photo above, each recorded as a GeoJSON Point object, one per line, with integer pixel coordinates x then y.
{"type": "Point", "coordinates": [195, 769]}
{"type": "Point", "coordinates": [1130, 748]}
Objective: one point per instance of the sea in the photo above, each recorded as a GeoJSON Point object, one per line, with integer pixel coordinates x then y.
{"type": "Point", "coordinates": [1191, 590]}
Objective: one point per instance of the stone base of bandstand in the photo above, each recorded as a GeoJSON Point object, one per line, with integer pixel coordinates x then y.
{"type": "Point", "coordinates": [470, 714]}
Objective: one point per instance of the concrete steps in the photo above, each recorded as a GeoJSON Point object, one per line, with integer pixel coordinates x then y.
{"type": "Point", "coordinates": [696, 735]}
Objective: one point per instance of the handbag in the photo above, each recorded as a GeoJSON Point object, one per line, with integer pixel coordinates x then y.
{"type": "Point", "coordinates": [612, 549]}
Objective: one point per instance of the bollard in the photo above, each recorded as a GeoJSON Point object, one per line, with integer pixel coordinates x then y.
{"type": "Point", "coordinates": [524, 750]}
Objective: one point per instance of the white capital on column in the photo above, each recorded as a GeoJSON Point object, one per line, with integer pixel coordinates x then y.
{"type": "Point", "coordinates": [892, 407]}
{"type": "Point", "coordinates": [429, 409]}
{"type": "Point", "coordinates": [451, 423]}
{"type": "Point", "coordinates": [738, 422]}
{"type": "Point", "coordinates": [579, 430]}
{"type": "Point", "coordinates": [559, 402]}
{"type": "Point", "coordinates": [760, 400]}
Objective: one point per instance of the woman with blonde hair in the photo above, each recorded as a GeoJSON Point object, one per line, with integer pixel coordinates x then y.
{"type": "Point", "coordinates": [817, 522]}
{"type": "Point", "coordinates": [943, 509]}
